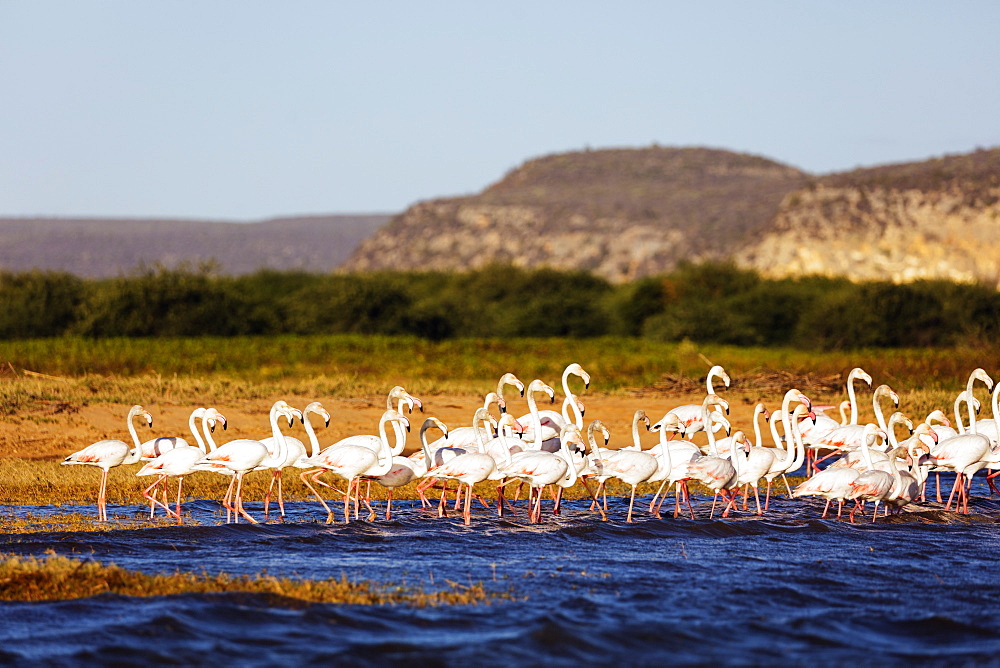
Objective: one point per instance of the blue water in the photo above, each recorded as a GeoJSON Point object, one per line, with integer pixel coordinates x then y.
{"type": "Point", "coordinates": [788, 588]}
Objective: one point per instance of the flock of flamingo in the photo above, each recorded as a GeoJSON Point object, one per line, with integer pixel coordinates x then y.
{"type": "Point", "coordinates": [552, 450]}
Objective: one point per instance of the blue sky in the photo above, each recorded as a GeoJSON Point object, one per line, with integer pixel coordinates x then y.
{"type": "Point", "coordinates": [247, 110]}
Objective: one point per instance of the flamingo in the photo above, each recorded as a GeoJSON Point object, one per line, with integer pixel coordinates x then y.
{"type": "Point", "coordinates": [849, 436]}
{"type": "Point", "coordinates": [467, 468]}
{"type": "Point", "coordinates": [539, 468]}
{"type": "Point", "coordinates": [907, 481]}
{"type": "Point", "coordinates": [712, 470]}
{"type": "Point", "coordinates": [965, 453]}
{"type": "Point", "coordinates": [244, 454]}
{"type": "Point", "coordinates": [690, 415]}
{"type": "Point", "coordinates": [352, 461]}
{"type": "Point", "coordinates": [295, 451]}
{"type": "Point", "coordinates": [786, 461]}
{"type": "Point", "coordinates": [178, 462]}
{"type": "Point", "coordinates": [631, 467]}
{"type": "Point", "coordinates": [835, 483]}
{"type": "Point", "coordinates": [673, 461]}
{"type": "Point", "coordinates": [108, 454]}
{"type": "Point", "coordinates": [552, 421]}
{"type": "Point", "coordinates": [157, 446]}
{"type": "Point", "coordinates": [407, 469]}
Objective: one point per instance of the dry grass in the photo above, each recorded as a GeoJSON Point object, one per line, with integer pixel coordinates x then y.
{"type": "Point", "coordinates": [60, 578]}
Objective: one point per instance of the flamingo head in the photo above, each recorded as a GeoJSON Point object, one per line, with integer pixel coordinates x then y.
{"type": "Point", "coordinates": [511, 379]}
{"type": "Point", "coordinates": [577, 370]}
{"type": "Point", "coordinates": [859, 374]}
{"type": "Point", "coordinates": [317, 408]}
{"type": "Point", "coordinates": [640, 416]}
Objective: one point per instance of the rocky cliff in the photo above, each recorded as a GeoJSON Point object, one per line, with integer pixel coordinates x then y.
{"type": "Point", "coordinates": [934, 219]}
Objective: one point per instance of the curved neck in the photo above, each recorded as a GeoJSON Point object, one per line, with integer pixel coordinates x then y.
{"type": "Point", "coordinates": [208, 433]}
{"type": "Point", "coordinates": [536, 421]}
{"type": "Point", "coordinates": [865, 453]}
{"type": "Point", "coordinates": [757, 412]}
{"type": "Point", "coordinates": [776, 417]}
{"type": "Point", "coordinates": [428, 460]}
{"type": "Point", "coordinates": [193, 426]}
{"type": "Point", "coordinates": [995, 401]}
{"type": "Point", "coordinates": [879, 417]}
{"type": "Point", "coordinates": [131, 429]}
{"type": "Point", "coordinates": [477, 428]}
{"type": "Point", "coordinates": [133, 455]}
{"type": "Point", "coordinates": [665, 451]}
{"type": "Point", "coordinates": [797, 447]}
{"type": "Point", "coordinates": [311, 435]}
{"type": "Point", "coordinates": [843, 412]}
{"type": "Point", "coordinates": [384, 451]}
{"type": "Point", "coordinates": [281, 450]}
{"type": "Point", "coordinates": [567, 456]}
{"type": "Point", "coordinates": [707, 419]}
{"type": "Point", "coordinates": [592, 439]}
{"type": "Point", "coordinates": [853, 399]}
{"type": "Point", "coordinates": [636, 441]}
{"type": "Point", "coordinates": [569, 404]}
{"type": "Point", "coordinates": [893, 441]}
{"type": "Point", "coordinates": [972, 412]}
{"type": "Point", "coordinates": [565, 383]}
{"type": "Point", "coordinates": [959, 424]}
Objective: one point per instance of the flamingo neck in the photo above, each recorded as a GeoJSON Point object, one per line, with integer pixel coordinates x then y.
{"type": "Point", "coordinates": [193, 426]}
{"type": "Point", "coordinates": [776, 417]}
{"type": "Point", "coordinates": [311, 435]}
{"type": "Point", "coordinates": [665, 451]}
{"type": "Point", "coordinates": [972, 413]}
{"type": "Point", "coordinates": [536, 421]}
{"type": "Point", "coordinates": [757, 439]}
{"type": "Point", "coordinates": [707, 419]}
{"type": "Point", "coordinates": [797, 447]}
{"type": "Point", "coordinates": [281, 451]}
{"type": "Point", "coordinates": [853, 399]}
{"type": "Point", "coordinates": [133, 455]}
{"type": "Point", "coordinates": [865, 452]}
{"type": "Point", "coordinates": [384, 464]}
{"type": "Point", "coordinates": [208, 433]}
{"type": "Point", "coordinates": [959, 425]}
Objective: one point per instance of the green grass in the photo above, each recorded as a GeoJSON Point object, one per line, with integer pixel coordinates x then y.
{"type": "Point", "coordinates": [350, 364]}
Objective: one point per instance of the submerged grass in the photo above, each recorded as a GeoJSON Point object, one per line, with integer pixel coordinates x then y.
{"type": "Point", "coordinates": [59, 578]}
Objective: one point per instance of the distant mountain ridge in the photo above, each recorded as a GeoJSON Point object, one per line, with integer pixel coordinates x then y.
{"type": "Point", "coordinates": [99, 248]}
{"type": "Point", "coordinates": [618, 213]}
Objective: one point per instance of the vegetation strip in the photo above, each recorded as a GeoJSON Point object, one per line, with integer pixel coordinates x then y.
{"type": "Point", "coordinates": [708, 303]}
{"type": "Point", "coordinates": [59, 578]}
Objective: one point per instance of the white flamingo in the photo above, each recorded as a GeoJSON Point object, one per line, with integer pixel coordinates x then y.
{"type": "Point", "coordinates": [468, 469]}
{"type": "Point", "coordinates": [178, 462]}
{"type": "Point", "coordinates": [539, 468]}
{"type": "Point", "coordinates": [352, 461]}
{"type": "Point", "coordinates": [690, 415]}
{"type": "Point", "coordinates": [835, 483]}
{"type": "Point", "coordinates": [108, 454]}
{"type": "Point", "coordinates": [407, 469]}
{"type": "Point", "coordinates": [243, 455]}
{"type": "Point", "coordinates": [631, 467]}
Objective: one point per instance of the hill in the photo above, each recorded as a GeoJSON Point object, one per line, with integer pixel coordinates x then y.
{"type": "Point", "coordinates": [98, 248]}
{"type": "Point", "coordinates": [620, 213]}
{"type": "Point", "coordinates": [627, 213]}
